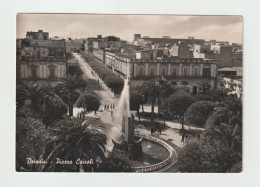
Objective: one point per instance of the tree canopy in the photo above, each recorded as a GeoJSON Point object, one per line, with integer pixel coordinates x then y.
{"type": "Point", "coordinates": [179, 102]}
{"type": "Point", "coordinates": [68, 90]}
{"type": "Point", "coordinates": [34, 92]}
{"type": "Point", "coordinates": [198, 113]}
{"type": "Point", "coordinates": [53, 110]}
{"type": "Point", "coordinates": [90, 102]}
{"type": "Point", "coordinates": [218, 150]}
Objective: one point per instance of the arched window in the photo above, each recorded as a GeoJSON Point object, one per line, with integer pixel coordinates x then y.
{"type": "Point", "coordinates": [152, 71]}
{"type": "Point", "coordinates": [52, 71]}
{"type": "Point", "coordinates": [34, 72]}
{"type": "Point", "coordinates": [163, 71]}
{"type": "Point", "coordinates": [141, 71]}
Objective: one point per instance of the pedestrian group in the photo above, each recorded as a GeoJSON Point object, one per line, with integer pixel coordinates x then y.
{"type": "Point", "coordinates": [109, 107]}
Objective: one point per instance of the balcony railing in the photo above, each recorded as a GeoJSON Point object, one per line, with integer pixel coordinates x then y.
{"type": "Point", "coordinates": [173, 76]}
{"type": "Point", "coordinates": [175, 60]}
{"type": "Point", "coordinates": [39, 59]}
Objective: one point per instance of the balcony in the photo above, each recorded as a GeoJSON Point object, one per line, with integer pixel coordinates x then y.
{"type": "Point", "coordinates": [171, 76]}
{"type": "Point", "coordinates": [43, 59]}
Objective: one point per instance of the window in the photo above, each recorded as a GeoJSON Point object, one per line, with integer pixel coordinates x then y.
{"type": "Point", "coordinates": [152, 71]}
{"type": "Point", "coordinates": [52, 70]}
{"type": "Point", "coordinates": [141, 71]}
{"type": "Point", "coordinates": [174, 72]}
{"type": "Point", "coordinates": [163, 71]}
{"type": "Point", "coordinates": [34, 72]}
{"type": "Point", "coordinates": [206, 72]}
{"type": "Point", "coordinates": [196, 71]}
{"type": "Point", "coordinates": [27, 52]}
{"type": "Point", "coordinates": [185, 72]}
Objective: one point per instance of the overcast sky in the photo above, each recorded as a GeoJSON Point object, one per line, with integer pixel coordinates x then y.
{"type": "Point", "coordinates": [222, 28]}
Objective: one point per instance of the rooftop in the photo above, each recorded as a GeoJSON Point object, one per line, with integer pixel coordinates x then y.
{"type": "Point", "coordinates": [226, 69]}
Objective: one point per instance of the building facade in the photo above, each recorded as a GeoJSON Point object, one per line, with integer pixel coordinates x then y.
{"type": "Point", "coordinates": [168, 40]}
{"type": "Point", "coordinates": [194, 73]}
{"type": "Point", "coordinates": [41, 59]}
{"type": "Point", "coordinates": [40, 35]}
{"type": "Point", "coordinates": [42, 68]}
{"type": "Point", "coordinates": [74, 45]}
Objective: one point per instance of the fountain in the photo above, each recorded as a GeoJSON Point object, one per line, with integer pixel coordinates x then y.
{"type": "Point", "coordinates": [144, 153]}
{"type": "Point", "coordinates": [128, 145]}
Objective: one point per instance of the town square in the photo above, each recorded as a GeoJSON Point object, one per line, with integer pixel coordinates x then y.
{"type": "Point", "coordinates": [129, 100]}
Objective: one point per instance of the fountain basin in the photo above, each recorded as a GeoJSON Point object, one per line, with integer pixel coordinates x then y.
{"type": "Point", "coordinates": [168, 162]}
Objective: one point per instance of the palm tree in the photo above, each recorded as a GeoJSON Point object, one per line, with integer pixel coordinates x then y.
{"type": "Point", "coordinates": [156, 90]}
{"type": "Point", "coordinates": [75, 139]}
{"type": "Point", "coordinates": [31, 136]}
{"type": "Point", "coordinates": [38, 94]}
{"type": "Point", "coordinates": [68, 90]}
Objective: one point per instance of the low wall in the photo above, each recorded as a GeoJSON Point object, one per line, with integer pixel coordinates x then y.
{"type": "Point", "coordinates": [159, 166]}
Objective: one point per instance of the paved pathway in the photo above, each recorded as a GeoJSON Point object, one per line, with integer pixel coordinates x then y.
{"type": "Point", "coordinates": [170, 134]}
{"type": "Point", "coordinates": [171, 124]}
{"type": "Point", "coordinates": [106, 97]}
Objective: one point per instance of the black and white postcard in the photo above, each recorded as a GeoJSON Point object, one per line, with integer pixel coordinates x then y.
{"type": "Point", "coordinates": [129, 93]}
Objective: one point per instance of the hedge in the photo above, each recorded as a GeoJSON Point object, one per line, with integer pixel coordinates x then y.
{"type": "Point", "coordinates": [112, 81]}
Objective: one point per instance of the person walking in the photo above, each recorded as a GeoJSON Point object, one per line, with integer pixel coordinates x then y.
{"type": "Point", "coordinates": [108, 107]}
{"type": "Point", "coordinates": [159, 130]}
{"type": "Point", "coordinates": [105, 107]}
{"type": "Point", "coordinates": [187, 137]}
{"type": "Point", "coordinates": [112, 115]}
{"type": "Point", "coordinates": [182, 137]}
{"type": "Point", "coordinates": [113, 107]}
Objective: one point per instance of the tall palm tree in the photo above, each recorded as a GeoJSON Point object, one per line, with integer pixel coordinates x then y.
{"type": "Point", "coordinates": [75, 139]}
{"type": "Point", "coordinates": [156, 89]}
{"type": "Point", "coordinates": [68, 90]}
{"type": "Point", "coordinates": [31, 136]}
{"type": "Point", "coordinates": [35, 92]}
